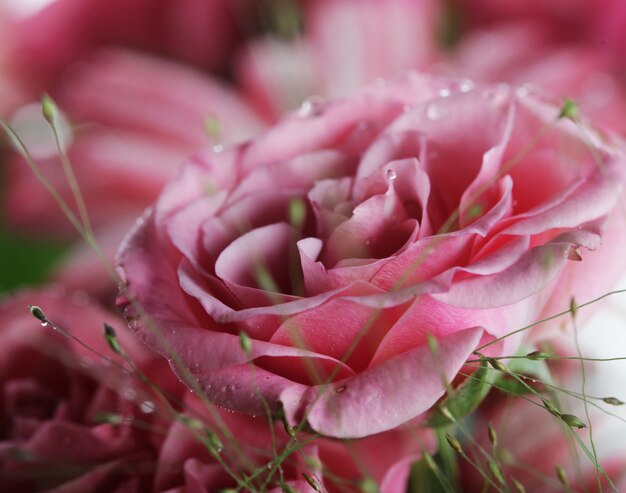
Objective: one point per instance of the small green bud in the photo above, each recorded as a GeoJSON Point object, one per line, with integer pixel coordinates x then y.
{"type": "Point", "coordinates": [454, 443]}
{"type": "Point", "coordinates": [288, 428]}
{"type": "Point", "coordinates": [108, 418]}
{"type": "Point", "coordinates": [573, 307]}
{"type": "Point", "coordinates": [573, 421]}
{"type": "Point", "coordinates": [297, 213]}
{"type": "Point", "coordinates": [49, 109]}
{"type": "Point", "coordinates": [368, 485]}
{"type": "Point", "coordinates": [111, 338]}
{"type": "Point", "coordinates": [212, 126]}
{"type": "Point", "coordinates": [446, 412]}
{"type": "Point", "coordinates": [495, 471]}
{"type": "Point", "coordinates": [538, 355]}
{"type": "Point", "coordinates": [214, 442]}
{"type": "Point", "coordinates": [430, 462]}
{"type": "Point", "coordinates": [498, 365]}
{"type": "Point", "coordinates": [309, 479]}
{"type": "Point", "coordinates": [493, 437]}
{"type": "Point", "coordinates": [38, 313]}
{"type": "Point", "coordinates": [189, 422]}
{"type": "Point", "coordinates": [433, 344]}
{"type": "Point", "coordinates": [519, 487]}
{"type": "Point", "coordinates": [551, 408]}
{"type": "Point", "coordinates": [560, 473]}
{"type": "Point", "coordinates": [613, 401]}
{"type": "Point", "coordinates": [475, 211]}
{"type": "Point", "coordinates": [569, 109]}
{"type": "Point", "coordinates": [245, 342]}
{"type": "Point", "coordinates": [312, 462]}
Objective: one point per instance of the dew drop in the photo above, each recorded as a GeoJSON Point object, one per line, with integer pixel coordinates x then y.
{"type": "Point", "coordinates": [147, 407]}
{"type": "Point", "coordinates": [434, 111]}
{"type": "Point", "coordinates": [340, 389]}
{"type": "Point", "coordinates": [466, 85]}
{"type": "Point", "coordinates": [391, 174]}
{"type": "Point", "coordinates": [44, 323]}
{"type": "Point", "coordinates": [130, 394]}
{"type": "Point", "coordinates": [444, 93]}
{"type": "Point", "coordinates": [311, 106]}
{"type": "Point", "coordinates": [525, 90]}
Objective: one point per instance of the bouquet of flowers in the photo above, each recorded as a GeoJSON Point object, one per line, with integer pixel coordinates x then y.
{"type": "Point", "coordinates": [312, 246]}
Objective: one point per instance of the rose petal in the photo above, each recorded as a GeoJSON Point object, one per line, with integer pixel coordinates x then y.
{"type": "Point", "coordinates": [384, 396]}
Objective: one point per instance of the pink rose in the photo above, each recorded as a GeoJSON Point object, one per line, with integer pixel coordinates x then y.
{"type": "Point", "coordinates": [186, 466]}
{"type": "Point", "coordinates": [342, 237]}
{"type": "Point", "coordinates": [54, 389]}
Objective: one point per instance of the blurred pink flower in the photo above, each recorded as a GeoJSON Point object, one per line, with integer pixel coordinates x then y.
{"type": "Point", "coordinates": [532, 443]}
{"type": "Point", "coordinates": [136, 118]}
{"type": "Point", "coordinates": [41, 46]}
{"type": "Point", "coordinates": [346, 44]}
{"type": "Point", "coordinates": [186, 466]}
{"type": "Point", "coordinates": [53, 390]}
{"type": "Point", "coordinates": [528, 54]}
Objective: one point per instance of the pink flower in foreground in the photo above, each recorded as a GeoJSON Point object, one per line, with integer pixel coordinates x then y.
{"type": "Point", "coordinates": [342, 237]}
{"type": "Point", "coordinates": [186, 466]}
{"type": "Point", "coordinates": [53, 390]}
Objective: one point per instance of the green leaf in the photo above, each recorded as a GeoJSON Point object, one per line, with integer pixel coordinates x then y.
{"type": "Point", "coordinates": [466, 398]}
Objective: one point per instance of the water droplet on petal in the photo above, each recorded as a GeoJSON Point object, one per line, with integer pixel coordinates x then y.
{"type": "Point", "coordinates": [391, 174]}
{"type": "Point", "coordinates": [444, 93]}
{"type": "Point", "coordinates": [44, 323]}
{"type": "Point", "coordinates": [340, 389]}
{"type": "Point", "coordinates": [466, 85]}
{"type": "Point", "coordinates": [130, 394]}
{"type": "Point", "coordinates": [434, 111]}
{"type": "Point", "coordinates": [524, 90]}
{"type": "Point", "coordinates": [311, 106]}
{"type": "Point", "coordinates": [147, 407]}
